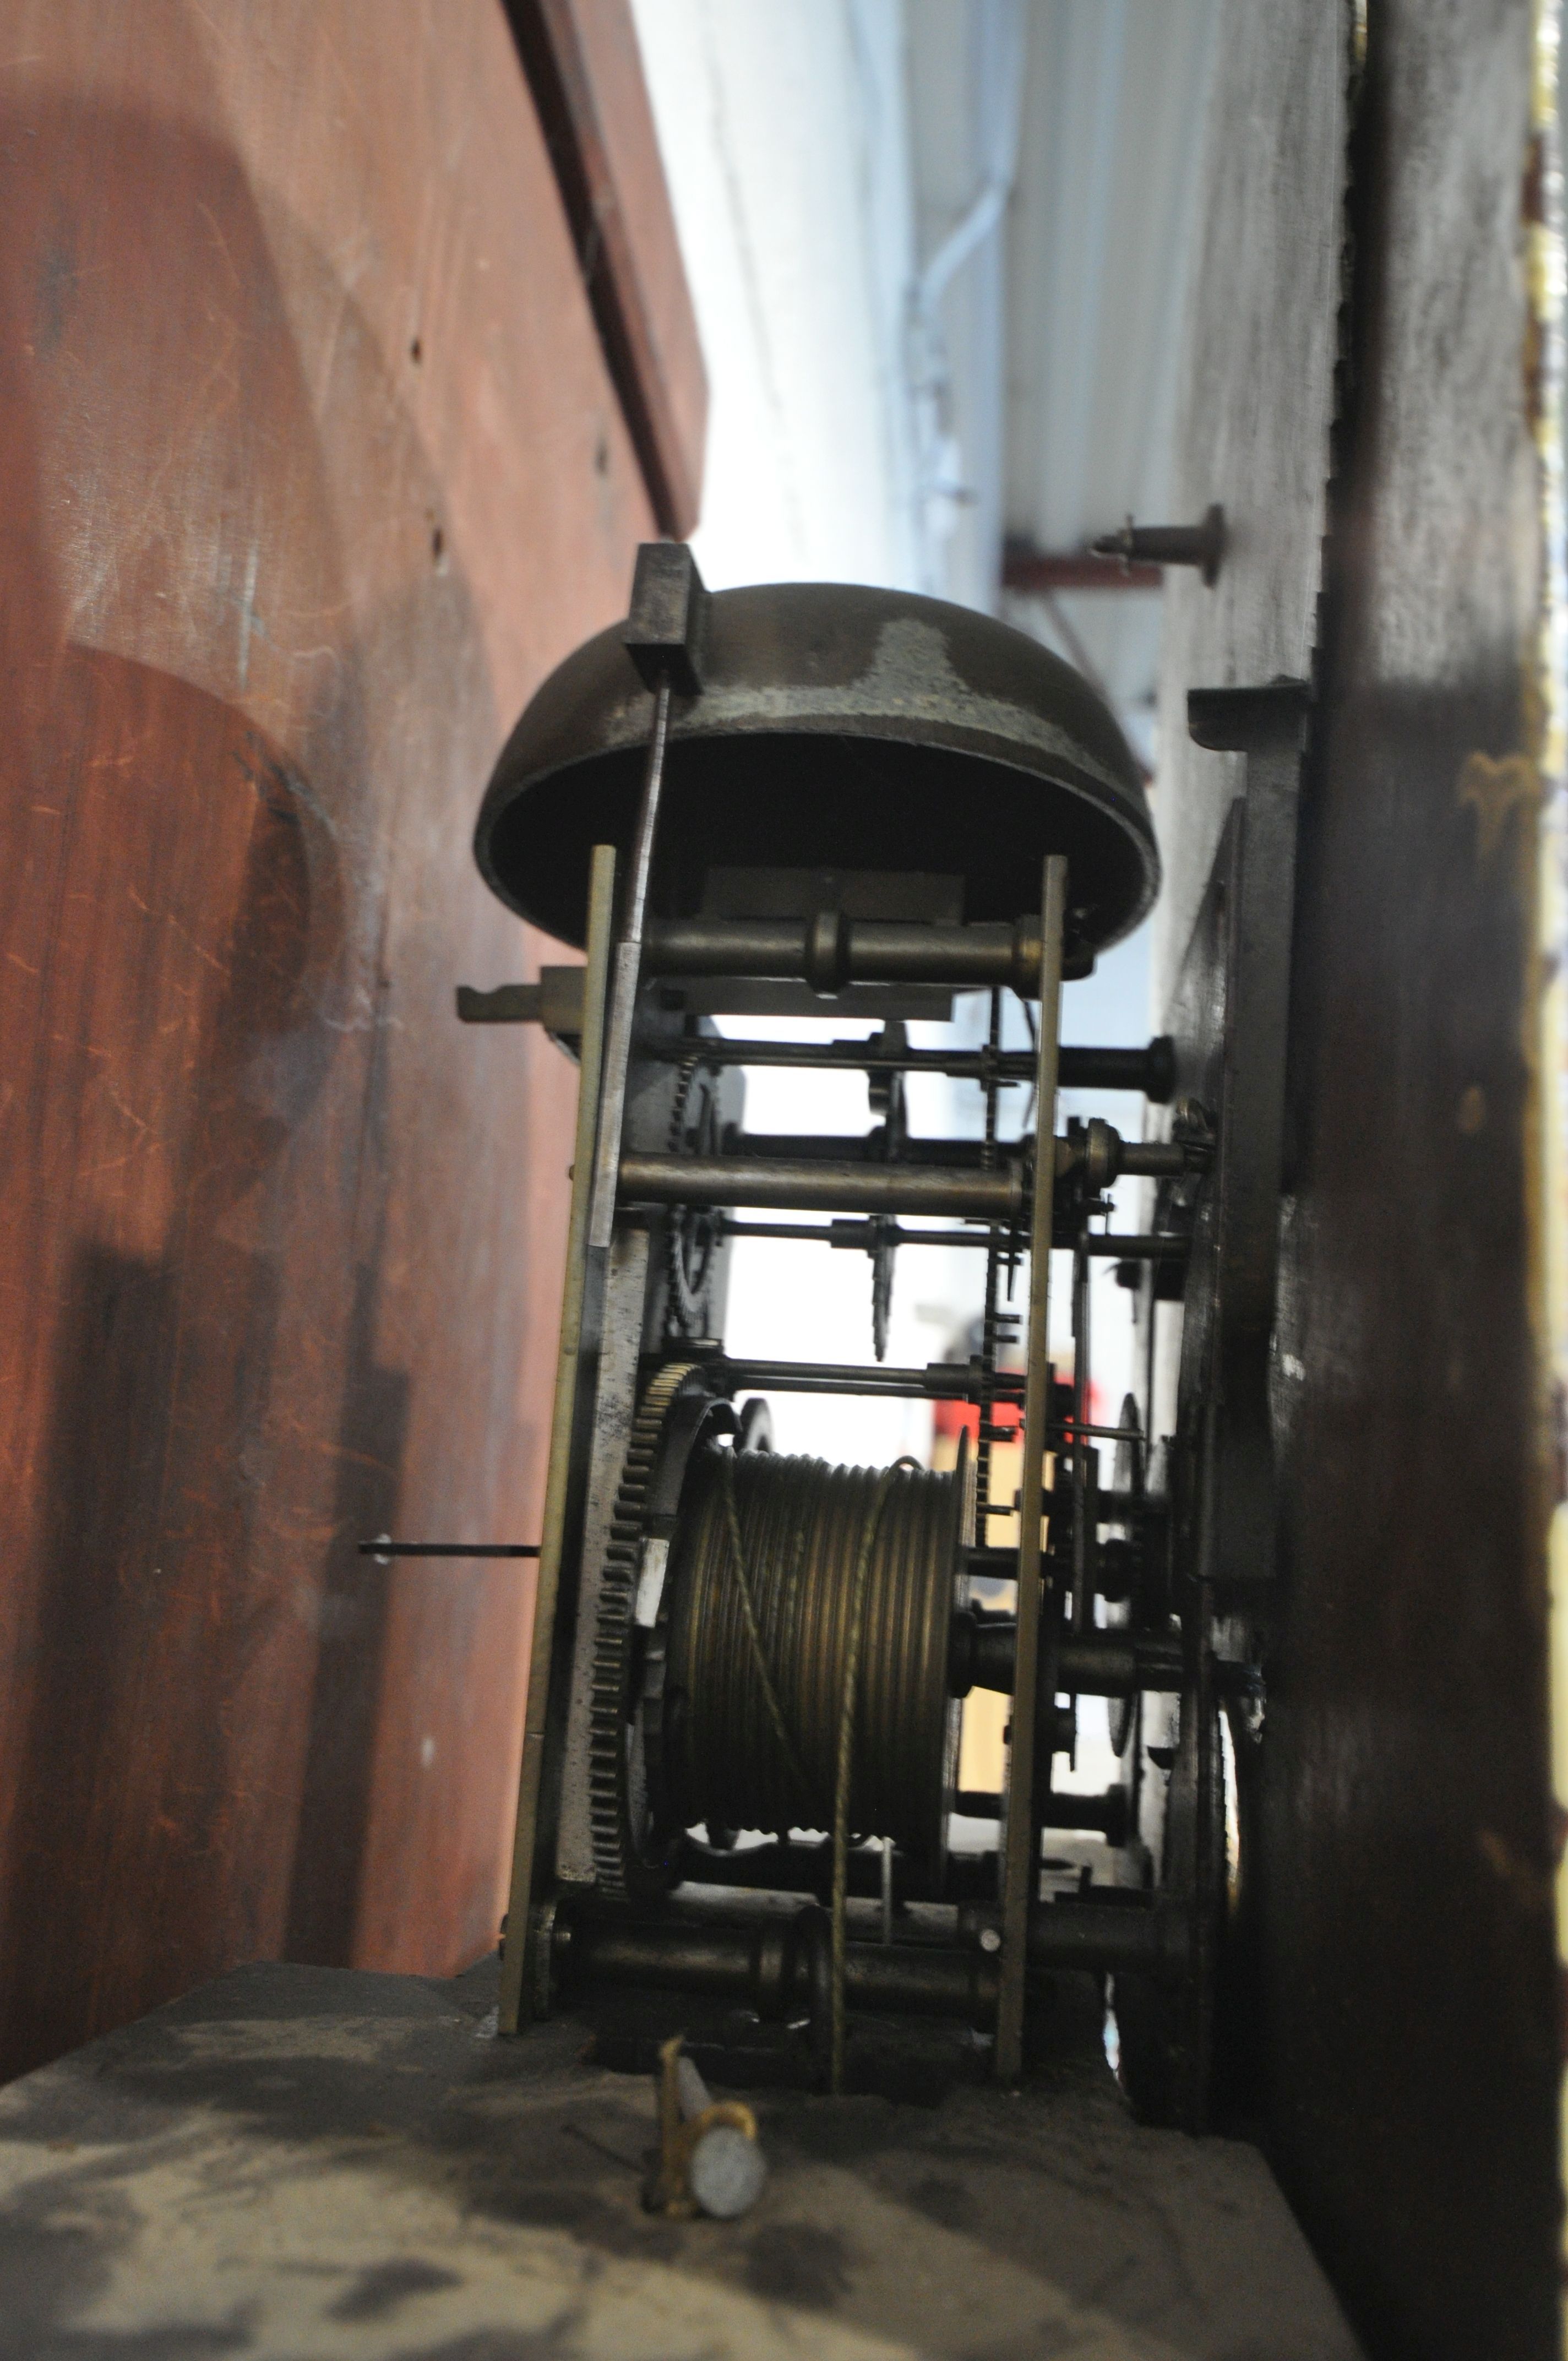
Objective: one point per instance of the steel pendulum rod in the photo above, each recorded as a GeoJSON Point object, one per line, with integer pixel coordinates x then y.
{"type": "Point", "coordinates": [1020, 1872]}
{"type": "Point", "coordinates": [625, 977]}
{"type": "Point", "coordinates": [662, 636]}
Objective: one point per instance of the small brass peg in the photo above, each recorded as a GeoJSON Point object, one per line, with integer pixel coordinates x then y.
{"type": "Point", "coordinates": [709, 2159]}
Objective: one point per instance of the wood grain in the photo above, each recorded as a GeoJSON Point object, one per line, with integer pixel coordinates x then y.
{"type": "Point", "coordinates": [1394, 2001]}
{"type": "Point", "coordinates": [311, 468]}
{"type": "Point", "coordinates": [586, 73]}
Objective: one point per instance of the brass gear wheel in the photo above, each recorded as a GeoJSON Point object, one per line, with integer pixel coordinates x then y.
{"type": "Point", "coordinates": [625, 1861]}
{"type": "Point", "coordinates": [692, 1233]}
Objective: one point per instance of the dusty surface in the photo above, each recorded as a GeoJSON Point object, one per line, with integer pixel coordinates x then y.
{"type": "Point", "coordinates": [300, 2161]}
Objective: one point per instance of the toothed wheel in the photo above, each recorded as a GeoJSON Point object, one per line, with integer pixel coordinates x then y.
{"type": "Point", "coordinates": [693, 1232]}
{"type": "Point", "coordinates": [630, 1855]}
{"type": "Point", "coordinates": [1128, 1477]}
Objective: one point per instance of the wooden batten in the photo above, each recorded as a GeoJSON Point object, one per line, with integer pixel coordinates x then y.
{"type": "Point", "coordinates": [585, 72]}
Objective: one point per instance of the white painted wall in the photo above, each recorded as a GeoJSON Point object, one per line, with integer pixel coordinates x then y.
{"type": "Point", "coordinates": [785, 134]}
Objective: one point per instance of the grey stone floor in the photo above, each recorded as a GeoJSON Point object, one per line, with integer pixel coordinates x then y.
{"type": "Point", "coordinates": [315, 2163]}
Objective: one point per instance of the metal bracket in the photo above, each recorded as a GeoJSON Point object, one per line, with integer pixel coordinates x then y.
{"type": "Point", "coordinates": [1268, 727]}
{"type": "Point", "coordinates": [666, 625]}
{"type": "Point", "coordinates": [556, 1001]}
{"type": "Point", "coordinates": [1201, 544]}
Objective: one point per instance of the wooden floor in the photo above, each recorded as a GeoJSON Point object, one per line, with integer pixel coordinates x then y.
{"type": "Point", "coordinates": [312, 2162]}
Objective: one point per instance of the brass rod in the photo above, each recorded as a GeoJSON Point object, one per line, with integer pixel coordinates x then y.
{"type": "Point", "coordinates": [1013, 1066]}
{"type": "Point", "coordinates": [850, 1187]}
{"type": "Point", "coordinates": [1020, 1866]}
{"type": "Point", "coordinates": [939, 1380]}
{"type": "Point", "coordinates": [517, 1960]}
{"type": "Point", "coordinates": [862, 950]}
{"type": "Point", "coordinates": [1082, 1067]}
{"type": "Point", "coordinates": [1127, 1246]}
{"type": "Point", "coordinates": [823, 1234]}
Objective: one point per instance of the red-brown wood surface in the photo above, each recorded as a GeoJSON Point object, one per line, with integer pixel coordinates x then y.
{"type": "Point", "coordinates": [312, 468]}
{"type": "Point", "coordinates": [586, 71]}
